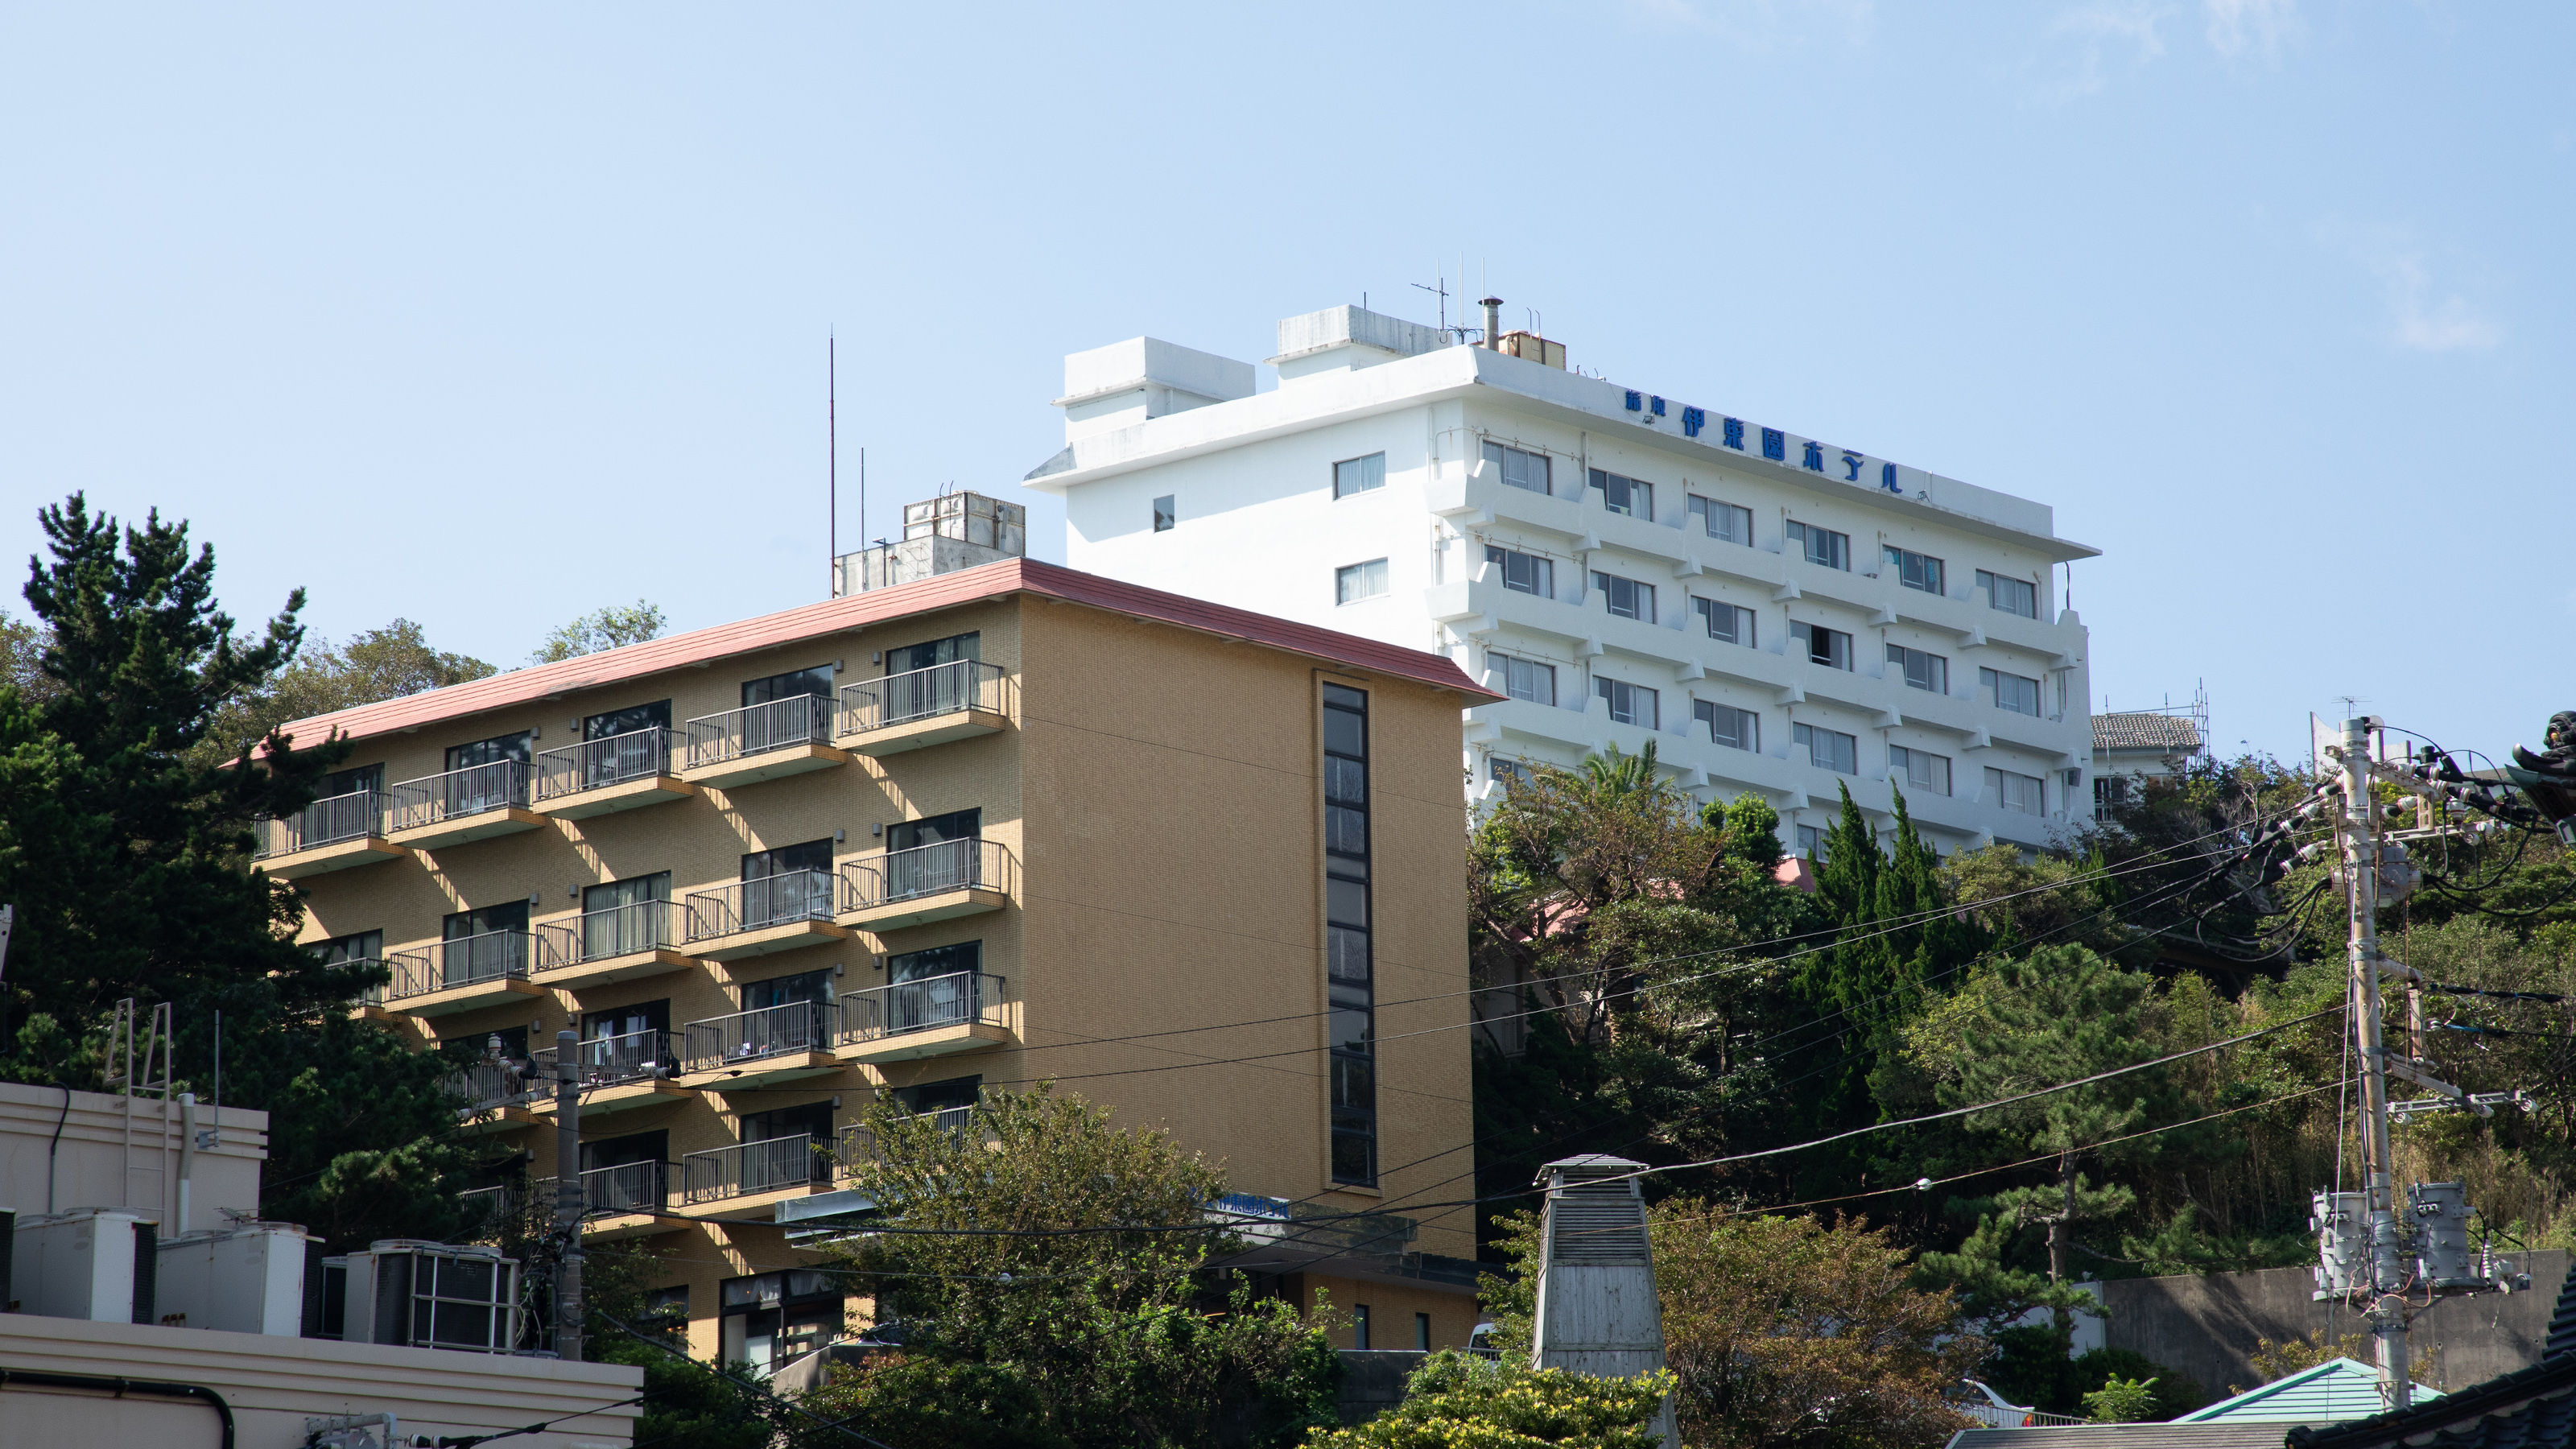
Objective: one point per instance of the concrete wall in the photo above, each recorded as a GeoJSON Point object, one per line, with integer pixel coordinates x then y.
{"type": "Point", "coordinates": [273, 1384]}
{"type": "Point", "coordinates": [2207, 1326]}
{"type": "Point", "coordinates": [123, 1152]}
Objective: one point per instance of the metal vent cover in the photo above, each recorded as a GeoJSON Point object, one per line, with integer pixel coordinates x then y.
{"type": "Point", "coordinates": [1597, 1226]}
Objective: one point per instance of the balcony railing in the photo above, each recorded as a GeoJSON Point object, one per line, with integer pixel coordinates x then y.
{"type": "Point", "coordinates": [608, 1061]}
{"type": "Point", "coordinates": [465, 961]}
{"type": "Point", "coordinates": [751, 1167]}
{"type": "Point", "coordinates": [598, 764]}
{"type": "Point", "coordinates": [921, 694]}
{"type": "Point", "coordinates": [748, 1036]}
{"type": "Point", "coordinates": [804, 719]}
{"type": "Point", "coordinates": [497, 1082]}
{"type": "Point", "coordinates": [474, 790]}
{"type": "Point", "coordinates": [754, 905]}
{"type": "Point", "coordinates": [494, 1204]}
{"type": "Point", "coordinates": [329, 821]}
{"type": "Point", "coordinates": [628, 1187]}
{"type": "Point", "coordinates": [924, 870]}
{"type": "Point", "coordinates": [925, 1005]}
{"type": "Point", "coordinates": [858, 1144]}
{"type": "Point", "coordinates": [601, 935]}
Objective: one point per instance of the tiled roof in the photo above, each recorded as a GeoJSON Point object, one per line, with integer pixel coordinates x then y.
{"type": "Point", "coordinates": [2123, 1436]}
{"type": "Point", "coordinates": [2530, 1408]}
{"type": "Point", "coordinates": [833, 616]}
{"type": "Point", "coordinates": [2134, 730]}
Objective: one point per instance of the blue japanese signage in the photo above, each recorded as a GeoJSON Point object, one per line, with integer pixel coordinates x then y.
{"type": "Point", "coordinates": [1813, 456]}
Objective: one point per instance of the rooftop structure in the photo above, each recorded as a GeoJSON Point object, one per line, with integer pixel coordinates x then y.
{"type": "Point", "coordinates": [1776, 613]}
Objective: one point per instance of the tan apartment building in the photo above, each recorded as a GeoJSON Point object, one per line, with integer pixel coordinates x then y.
{"type": "Point", "coordinates": [998, 825]}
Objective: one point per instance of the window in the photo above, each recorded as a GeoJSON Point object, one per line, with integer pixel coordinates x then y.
{"type": "Point", "coordinates": [1360, 581]}
{"type": "Point", "coordinates": [1630, 704]}
{"type": "Point", "coordinates": [1359, 475]}
{"type": "Point", "coordinates": [1166, 513]}
{"type": "Point", "coordinates": [774, 1317]}
{"type": "Point", "coordinates": [493, 751]}
{"type": "Point", "coordinates": [634, 719]}
{"type": "Point", "coordinates": [1737, 729]}
{"type": "Point", "coordinates": [1827, 749]}
{"type": "Point", "coordinates": [942, 1096]}
{"type": "Point", "coordinates": [1922, 671]}
{"type": "Point", "coordinates": [1920, 769]}
{"type": "Point", "coordinates": [932, 961]}
{"type": "Point", "coordinates": [1359, 1325]}
{"type": "Point", "coordinates": [1350, 1045]}
{"type": "Point", "coordinates": [1524, 678]}
{"type": "Point", "coordinates": [790, 883]}
{"type": "Point", "coordinates": [1507, 772]}
{"type": "Point", "coordinates": [1519, 469]}
{"type": "Point", "coordinates": [2010, 691]}
{"type": "Point", "coordinates": [1628, 598]}
{"type": "Point", "coordinates": [2013, 596]}
{"type": "Point", "coordinates": [1828, 647]}
{"type": "Point", "coordinates": [364, 779]}
{"type": "Point", "coordinates": [816, 682]}
{"type": "Point", "coordinates": [2021, 794]}
{"type": "Point", "coordinates": [1525, 573]}
{"type": "Point", "coordinates": [1422, 1333]}
{"type": "Point", "coordinates": [626, 1020]}
{"type": "Point", "coordinates": [1821, 545]}
{"type": "Point", "coordinates": [2109, 792]}
{"type": "Point", "coordinates": [1730, 622]}
{"type": "Point", "coordinates": [1915, 570]}
{"type": "Point", "coordinates": [487, 920]}
{"type": "Point", "coordinates": [911, 658]}
{"type": "Point", "coordinates": [1811, 843]}
{"type": "Point", "coordinates": [1723, 520]}
{"type": "Point", "coordinates": [1625, 495]}
{"type": "Point", "coordinates": [626, 916]}
{"type": "Point", "coordinates": [365, 946]}
{"type": "Point", "coordinates": [812, 988]}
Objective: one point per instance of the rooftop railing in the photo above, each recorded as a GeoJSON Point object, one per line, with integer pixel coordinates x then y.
{"type": "Point", "coordinates": [328, 821]}
{"type": "Point", "coordinates": [754, 905]}
{"type": "Point", "coordinates": [464, 961]}
{"type": "Point", "coordinates": [921, 694]}
{"type": "Point", "coordinates": [598, 764]}
{"type": "Point", "coordinates": [926, 1005]}
{"type": "Point", "coordinates": [474, 790]}
{"type": "Point", "coordinates": [757, 729]}
{"type": "Point", "coordinates": [748, 1036]}
{"type": "Point", "coordinates": [600, 935]}
{"type": "Point", "coordinates": [924, 870]}
{"type": "Point", "coordinates": [752, 1167]}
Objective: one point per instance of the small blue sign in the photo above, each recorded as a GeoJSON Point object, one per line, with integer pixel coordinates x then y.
{"type": "Point", "coordinates": [1692, 421]}
{"type": "Point", "coordinates": [1887, 477]}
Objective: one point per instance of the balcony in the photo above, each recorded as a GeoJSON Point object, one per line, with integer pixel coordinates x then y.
{"type": "Point", "coordinates": [498, 1093]}
{"type": "Point", "coordinates": [761, 742]}
{"type": "Point", "coordinates": [466, 974]}
{"type": "Point", "coordinates": [618, 944]}
{"type": "Point", "coordinates": [750, 1050]}
{"type": "Point", "coordinates": [615, 1074]}
{"type": "Point", "coordinates": [475, 803]}
{"type": "Point", "coordinates": [926, 883]}
{"type": "Point", "coordinates": [782, 1166]}
{"type": "Point", "coordinates": [327, 835]}
{"type": "Point", "coordinates": [925, 707]}
{"type": "Point", "coordinates": [602, 777]}
{"type": "Point", "coordinates": [628, 1200]}
{"type": "Point", "coordinates": [757, 917]}
{"type": "Point", "coordinates": [858, 1143]}
{"type": "Point", "coordinates": [908, 1020]}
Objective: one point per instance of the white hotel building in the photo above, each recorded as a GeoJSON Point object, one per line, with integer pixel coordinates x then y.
{"type": "Point", "coordinates": [1774, 613]}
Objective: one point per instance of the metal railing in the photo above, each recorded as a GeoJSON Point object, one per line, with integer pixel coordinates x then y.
{"type": "Point", "coordinates": [859, 1145]}
{"type": "Point", "coordinates": [628, 1187]}
{"type": "Point", "coordinates": [474, 790]}
{"type": "Point", "coordinates": [924, 1005]}
{"type": "Point", "coordinates": [748, 1036]}
{"type": "Point", "coordinates": [750, 1167]}
{"type": "Point", "coordinates": [600, 935]}
{"type": "Point", "coordinates": [496, 1204]}
{"type": "Point", "coordinates": [753, 905]}
{"type": "Point", "coordinates": [759, 728]}
{"type": "Point", "coordinates": [597, 764]}
{"type": "Point", "coordinates": [924, 870]}
{"type": "Point", "coordinates": [921, 694]}
{"type": "Point", "coordinates": [608, 1061]}
{"type": "Point", "coordinates": [493, 956]}
{"type": "Point", "coordinates": [353, 816]}
{"type": "Point", "coordinates": [496, 1082]}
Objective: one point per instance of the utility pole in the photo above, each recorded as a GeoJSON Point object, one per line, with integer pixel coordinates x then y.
{"type": "Point", "coordinates": [2361, 904]}
{"type": "Point", "coordinates": [568, 1196]}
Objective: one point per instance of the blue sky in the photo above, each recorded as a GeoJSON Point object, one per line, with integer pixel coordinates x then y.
{"type": "Point", "coordinates": [487, 316]}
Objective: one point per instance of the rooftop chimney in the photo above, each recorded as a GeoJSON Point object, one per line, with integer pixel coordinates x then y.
{"type": "Point", "coordinates": [1493, 321]}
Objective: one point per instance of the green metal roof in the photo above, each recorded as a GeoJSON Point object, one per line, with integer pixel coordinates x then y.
{"type": "Point", "coordinates": [2334, 1391]}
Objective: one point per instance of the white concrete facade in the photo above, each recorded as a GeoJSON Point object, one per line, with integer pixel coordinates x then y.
{"type": "Point", "coordinates": [1254, 522]}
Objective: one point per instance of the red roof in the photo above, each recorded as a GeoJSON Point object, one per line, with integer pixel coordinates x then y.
{"type": "Point", "coordinates": [833, 616]}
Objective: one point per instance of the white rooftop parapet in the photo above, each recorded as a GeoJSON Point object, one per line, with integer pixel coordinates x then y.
{"type": "Point", "coordinates": [1346, 338]}
{"type": "Point", "coordinates": [1126, 383]}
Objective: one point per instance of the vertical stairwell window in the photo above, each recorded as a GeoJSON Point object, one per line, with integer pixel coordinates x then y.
{"type": "Point", "coordinates": [1349, 987]}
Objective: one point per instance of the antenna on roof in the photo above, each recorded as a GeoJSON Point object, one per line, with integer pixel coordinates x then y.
{"type": "Point", "coordinates": [832, 453]}
{"type": "Point", "coordinates": [1442, 292]}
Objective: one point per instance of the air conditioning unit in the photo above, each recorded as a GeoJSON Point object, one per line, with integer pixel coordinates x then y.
{"type": "Point", "coordinates": [243, 1279]}
{"type": "Point", "coordinates": [432, 1295]}
{"type": "Point", "coordinates": [93, 1263]}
